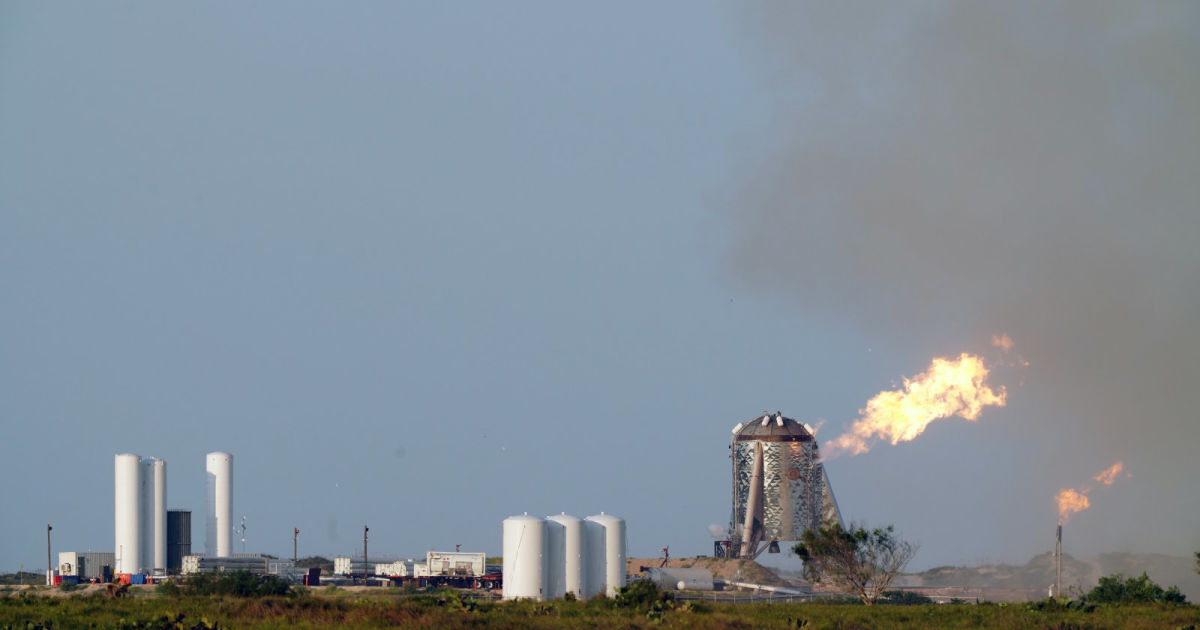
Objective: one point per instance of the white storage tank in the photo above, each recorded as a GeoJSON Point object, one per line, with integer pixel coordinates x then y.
{"type": "Point", "coordinates": [556, 564]}
{"type": "Point", "coordinates": [567, 556]}
{"type": "Point", "coordinates": [128, 513]}
{"type": "Point", "coordinates": [219, 530]}
{"type": "Point", "coordinates": [153, 489]}
{"type": "Point", "coordinates": [160, 514]}
{"type": "Point", "coordinates": [593, 558]}
{"type": "Point", "coordinates": [606, 557]}
{"type": "Point", "coordinates": [146, 504]}
{"type": "Point", "coordinates": [524, 545]}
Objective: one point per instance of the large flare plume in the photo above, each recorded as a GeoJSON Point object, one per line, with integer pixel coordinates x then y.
{"type": "Point", "coordinates": [950, 387]}
{"type": "Point", "coordinates": [1071, 501]}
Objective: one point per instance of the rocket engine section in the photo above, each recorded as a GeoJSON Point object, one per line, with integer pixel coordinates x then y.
{"type": "Point", "coordinates": [780, 488]}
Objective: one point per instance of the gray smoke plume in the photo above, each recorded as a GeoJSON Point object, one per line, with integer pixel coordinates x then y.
{"type": "Point", "coordinates": [982, 167]}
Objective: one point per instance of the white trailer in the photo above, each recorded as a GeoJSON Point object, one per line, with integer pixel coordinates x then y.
{"type": "Point", "coordinates": [400, 568]}
{"type": "Point", "coordinates": [456, 563]}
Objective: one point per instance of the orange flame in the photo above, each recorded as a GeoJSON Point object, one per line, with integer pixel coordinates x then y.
{"type": "Point", "coordinates": [1069, 502]}
{"type": "Point", "coordinates": [948, 388]}
{"type": "Point", "coordinates": [1002, 341]}
{"type": "Point", "coordinates": [1110, 474]}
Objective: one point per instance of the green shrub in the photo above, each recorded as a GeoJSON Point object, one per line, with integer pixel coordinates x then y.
{"type": "Point", "coordinates": [903, 598]}
{"type": "Point", "coordinates": [168, 588]}
{"type": "Point", "coordinates": [236, 583]}
{"type": "Point", "coordinates": [1118, 589]}
{"type": "Point", "coordinates": [641, 593]}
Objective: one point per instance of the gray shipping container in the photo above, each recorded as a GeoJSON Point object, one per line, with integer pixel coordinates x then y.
{"type": "Point", "coordinates": [85, 564]}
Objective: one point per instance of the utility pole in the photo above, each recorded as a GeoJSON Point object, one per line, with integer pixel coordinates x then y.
{"type": "Point", "coordinates": [364, 555]}
{"type": "Point", "coordinates": [295, 535]}
{"type": "Point", "coordinates": [49, 566]}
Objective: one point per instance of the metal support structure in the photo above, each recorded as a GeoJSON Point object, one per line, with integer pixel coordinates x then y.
{"type": "Point", "coordinates": [49, 565]}
{"type": "Point", "coordinates": [1058, 563]}
{"type": "Point", "coordinates": [295, 536]}
{"type": "Point", "coordinates": [365, 528]}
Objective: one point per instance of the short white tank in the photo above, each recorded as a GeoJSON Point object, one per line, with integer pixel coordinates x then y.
{"type": "Point", "coordinates": [608, 554]}
{"type": "Point", "coordinates": [573, 562]}
{"type": "Point", "coordinates": [593, 558]}
{"type": "Point", "coordinates": [556, 564]}
{"type": "Point", "coordinates": [524, 544]}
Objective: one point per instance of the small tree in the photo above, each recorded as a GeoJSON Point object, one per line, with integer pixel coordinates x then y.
{"type": "Point", "coordinates": [861, 561]}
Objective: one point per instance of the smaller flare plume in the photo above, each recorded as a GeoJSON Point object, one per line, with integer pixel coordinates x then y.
{"type": "Point", "coordinates": [950, 387]}
{"type": "Point", "coordinates": [1002, 341]}
{"type": "Point", "coordinates": [1069, 502]}
{"type": "Point", "coordinates": [1110, 475]}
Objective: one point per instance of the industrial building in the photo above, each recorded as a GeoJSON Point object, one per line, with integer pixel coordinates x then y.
{"type": "Point", "coordinates": [780, 488]}
{"type": "Point", "coordinates": [179, 538]}
{"type": "Point", "coordinates": [256, 563]}
{"type": "Point", "coordinates": [87, 565]}
{"type": "Point", "coordinates": [140, 514]}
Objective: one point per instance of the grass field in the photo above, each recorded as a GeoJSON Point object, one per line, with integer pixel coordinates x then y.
{"type": "Point", "coordinates": [447, 609]}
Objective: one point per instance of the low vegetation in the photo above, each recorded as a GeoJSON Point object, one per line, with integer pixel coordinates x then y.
{"type": "Point", "coordinates": [236, 583]}
{"type": "Point", "coordinates": [639, 605]}
{"type": "Point", "coordinates": [23, 577]}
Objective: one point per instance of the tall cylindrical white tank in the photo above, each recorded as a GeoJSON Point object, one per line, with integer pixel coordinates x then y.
{"type": "Point", "coordinates": [146, 512]}
{"type": "Point", "coordinates": [127, 511]}
{"type": "Point", "coordinates": [160, 514]}
{"type": "Point", "coordinates": [524, 545]}
{"type": "Point", "coordinates": [610, 553]}
{"type": "Point", "coordinates": [219, 529]}
{"type": "Point", "coordinates": [572, 563]}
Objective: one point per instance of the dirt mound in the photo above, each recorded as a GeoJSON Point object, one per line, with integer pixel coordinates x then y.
{"type": "Point", "coordinates": [727, 569]}
{"type": "Point", "coordinates": [1039, 572]}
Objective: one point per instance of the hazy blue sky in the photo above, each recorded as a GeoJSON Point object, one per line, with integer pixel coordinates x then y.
{"type": "Point", "coordinates": [426, 265]}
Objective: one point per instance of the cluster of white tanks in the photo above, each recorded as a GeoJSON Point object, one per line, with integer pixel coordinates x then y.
{"type": "Point", "coordinates": [546, 558]}
{"type": "Point", "coordinates": [140, 511]}
{"type": "Point", "coordinates": [140, 522]}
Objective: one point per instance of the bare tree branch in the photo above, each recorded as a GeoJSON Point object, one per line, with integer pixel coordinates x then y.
{"type": "Point", "coordinates": [861, 561]}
